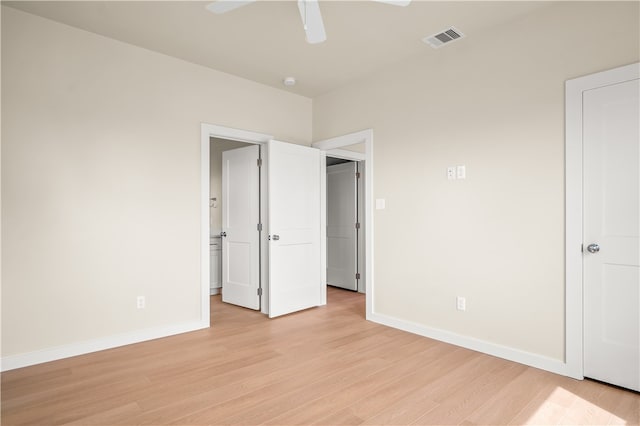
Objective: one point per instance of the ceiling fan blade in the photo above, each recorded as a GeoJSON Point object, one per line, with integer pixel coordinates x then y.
{"type": "Point", "coordinates": [395, 2]}
{"type": "Point", "coordinates": [312, 21]}
{"type": "Point", "coordinates": [224, 6]}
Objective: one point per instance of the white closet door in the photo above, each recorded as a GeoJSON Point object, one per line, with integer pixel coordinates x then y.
{"type": "Point", "coordinates": [611, 143]}
{"type": "Point", "coordinates": [294, 227]}
{"type": "Point", "coordinates": [342, 215]}
{"type": "Point", "coordinates": [240, 217]}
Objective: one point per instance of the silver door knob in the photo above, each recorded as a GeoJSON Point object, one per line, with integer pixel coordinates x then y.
{"type": "Point", "coordinates": [593, 248]}
{"type": "Point", "coordinates": [275, 237]}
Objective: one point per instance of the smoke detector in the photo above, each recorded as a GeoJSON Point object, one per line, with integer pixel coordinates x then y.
{"type": "Point", "coordinates": [443, 37]}
{"type": "Point", "coordinates": [289, 81]}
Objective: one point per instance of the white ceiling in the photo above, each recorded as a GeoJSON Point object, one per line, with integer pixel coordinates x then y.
{"type": "Point", "coordinates": [264, 41]}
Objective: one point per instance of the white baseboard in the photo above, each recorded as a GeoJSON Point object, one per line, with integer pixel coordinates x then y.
{"type": "Point", "coordinates": [214, 291]}
{"type": "Point", "coordinates": [12, 362]}
{"type": "Point", "coordinates": [505, 352]}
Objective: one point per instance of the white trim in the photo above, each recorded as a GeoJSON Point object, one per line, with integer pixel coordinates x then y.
{"type": "Point", "coordinates": [344, 140]}
{"type": "Point", "coordinates": [323, 228]}
{"type": "Point", "coordinates": [522, 357]}
{"type": "Point", "coordinates": [365, 137]}
{"type": "Point", "coordinates": [573, 207]}
{"type": "Point", "coordinates": [12, 362]}
{"type": "Point", "coordinates": [235, 134]}
{"type": "Point", "coordinates": [346, 154]}
{"type": "Point", "coordinates": [208, 131]}
{"type": "Point", "coordinates": [205, 182]}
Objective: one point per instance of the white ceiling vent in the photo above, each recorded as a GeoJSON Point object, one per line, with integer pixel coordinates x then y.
{"type": "Point", "coordinates": [444, 37]}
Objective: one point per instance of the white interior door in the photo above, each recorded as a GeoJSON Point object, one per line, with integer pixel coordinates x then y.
{"type": "Point", "coordinates": [294, 226]}
{"type": "Point", "coordinates": [342, 215]}
{"type": "Point", "coordinates": [611, 143]}
{"type": "Point", "coordinates": [240, 218]}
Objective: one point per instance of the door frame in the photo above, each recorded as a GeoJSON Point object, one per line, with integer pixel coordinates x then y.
{"type": "Point", "coordinates": [574, 308]}
{"type": "Point", "coordinates": [332, 146]}
{"type": "Point", "coordinates": [208, 131]}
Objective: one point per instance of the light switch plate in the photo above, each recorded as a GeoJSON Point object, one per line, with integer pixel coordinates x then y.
{"type": "Point", "coordinates": [380, 203]}
{"type": "Point", "coordinates": [451, 173]}
{"type": "Point", "coordinates": [461, 172]}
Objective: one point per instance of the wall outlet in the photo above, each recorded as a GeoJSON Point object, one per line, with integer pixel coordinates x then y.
{"type": "Point", "coordinates": [140, 302]}
{"type": "Point", "coordinates": [461, 303]}
{"type": "Point", "coordinates": [451, 173]}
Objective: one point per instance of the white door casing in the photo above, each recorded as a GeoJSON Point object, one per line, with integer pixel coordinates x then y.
{"type": "Point", "coordinates": [334, 147]}
{"type": "Point", "coordinates": [240, 218]}
{"type": "Point", "coordinates": [208, 131]}
{"type": "Point", "coordinates": [362, 218]}
{"type": "Point", "coordinates": [611, 144]}
{"type": "Point", "coordinates": [294, 224]}
{"type": "Point", "coordinates": [342, 215]}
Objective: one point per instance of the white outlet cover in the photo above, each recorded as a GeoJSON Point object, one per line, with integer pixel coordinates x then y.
{"type": "Point", "coordinates": [380, 203]}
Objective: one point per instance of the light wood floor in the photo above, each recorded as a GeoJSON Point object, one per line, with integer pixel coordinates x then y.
{"type": "Point", "coordinates": [322, 366]}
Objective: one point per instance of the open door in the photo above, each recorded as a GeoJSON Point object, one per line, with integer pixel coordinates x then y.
{"type": "Point", "coordinates": [240, 231]}
{"type": "Point", "coordinates": [294, 226]}
{"type": "Point", "coordinates": [342, 225]}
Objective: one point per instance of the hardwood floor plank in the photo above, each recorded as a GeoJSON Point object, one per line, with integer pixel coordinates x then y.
{"type": "Point", "coordinates": [335, 401]}
{"type": "Point", "coordinates": [406, 410]}
{"type": "Point", "coordinates": [73, 406]}
{"type": "Point", "coordinates": [480, 389]}
{"type": "Point", "coordinates": [249, 408]}
{"type": "Point", "coordinates": [627, 411]}
{"type": "Point", "coordinates": [594, 404]}
{"type": "Point", "coordinates": [395, 388]}
{"type": "Point", "coordinates": [237, 394]}
{"type": "Point", "coordinates": [508, 401]}
{"type": "Point", "coordinates": [548, 406]}
{"type": "Point", "coordinates": [108, 417]}
{"type": "Point", "coordinates": [424, 398]}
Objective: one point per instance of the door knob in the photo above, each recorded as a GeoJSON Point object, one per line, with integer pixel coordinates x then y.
{"type": "Point", "coordinates": [593, 248]}
{"type": "Point", "coordinates": [223, 234]}
{"type": "Point", "coordinates": [275, 237]}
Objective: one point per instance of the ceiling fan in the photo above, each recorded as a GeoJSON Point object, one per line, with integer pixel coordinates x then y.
{"type": "Point", "coordinates": [309, 12]}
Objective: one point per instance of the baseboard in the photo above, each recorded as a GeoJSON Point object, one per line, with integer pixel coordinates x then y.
{"type": "Point", "coordinates": [504, 352]}
{"type": "Point", "coordinates": [214, 291]}
{"type": "Point", "coordinates": [12, 362]}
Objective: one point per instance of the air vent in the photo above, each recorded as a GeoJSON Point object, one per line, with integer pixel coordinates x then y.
{"type": "Point", "coordinates": [444, 37]}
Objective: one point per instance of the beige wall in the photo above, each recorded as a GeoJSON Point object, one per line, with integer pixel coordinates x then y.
{"type": "Point", "coordinates": [495, 103]}
{"type": "Point", "coordinates": [217, 147]}
{"type": "Point", "coordinates": [101, 180]}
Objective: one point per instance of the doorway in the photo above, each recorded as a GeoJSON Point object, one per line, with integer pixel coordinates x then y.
{"type": "Point", "coordinates": [357, 146]}
{"type": "Point", "coordinates": [236, 193]}
{"type": "Point", "coordinates": [283, 274]}
{"type": "Point", "coordinates": [602, 220]}
{"type": "Point", "coordinates": [207, 132]}
{"type": "Point", "coordinates": [345, 224]}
